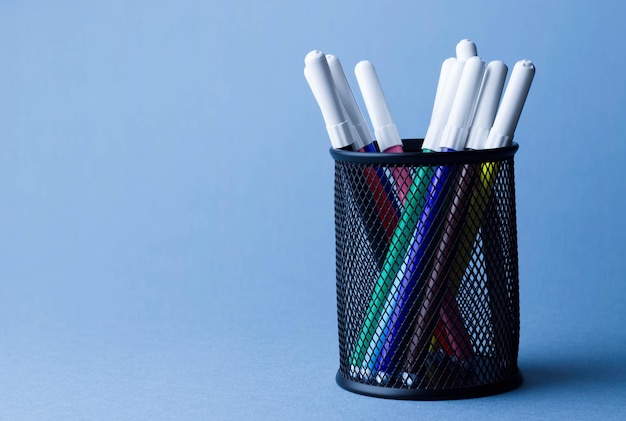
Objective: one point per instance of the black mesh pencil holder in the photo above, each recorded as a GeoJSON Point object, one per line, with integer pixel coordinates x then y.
{"type": "Point", "coordinates": [427, 273]}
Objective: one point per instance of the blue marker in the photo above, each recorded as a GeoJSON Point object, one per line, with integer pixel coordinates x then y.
{"type": "Point", "coordinates": [364, 142]}
{"type": "Point", "coordinates": [343, 136]}
{"type": "Point", "coordinates": [388, 348]}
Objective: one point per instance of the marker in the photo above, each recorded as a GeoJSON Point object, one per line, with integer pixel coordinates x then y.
{"type": "Point", "coordinates": [487, 105]}
{"type": "Point", "coordinates": [386, 349]}
{"type": "Point", "coordinates": [362, 357]}
{"type": "Point", "coordinates": [317, 74]}
{"type": "Point", "coordinates": [449, 78]}
{"type": "Point", "coordinates": [500, 135]}
{"type": "Point", "coordinates": [343, 136]}
{"type": "Point", "coordinates": [454, 138]}
{"type": "Point", "coordinates": [516, 94]}
{"type": "Point", "coordinates": [384, 198]}
{"type": "Point", "coordinates": [408, 281]}
{"type": "Point", "coordinates": [346, 97]}
{"type": "Point", "coordinates": [354, 136]}
{"type": "Point", "coordinates": [385, 130]}
{"type": "Point", "coordinates": [439, 291]}
{"type": "Point", "coordinates": [392, 327]}
{"type": "Point", "coordinates": [507, 117]}
{"type": "Point", "coordinates": [455, 133]}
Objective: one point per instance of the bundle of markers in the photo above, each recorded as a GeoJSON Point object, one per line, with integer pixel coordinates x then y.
{"type": "Point", "coordinates": [470, 112]}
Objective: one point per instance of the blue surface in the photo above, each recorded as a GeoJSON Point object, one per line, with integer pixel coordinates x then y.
{"type": "Point", "coordinates": [166, 214]}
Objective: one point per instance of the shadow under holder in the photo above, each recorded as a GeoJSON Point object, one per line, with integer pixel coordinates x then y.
{"type": "Point", "coordinates": [427, 273]}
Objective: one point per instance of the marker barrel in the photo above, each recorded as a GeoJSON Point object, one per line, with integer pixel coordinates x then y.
{"type": "Point", "coordinates": [458, 334]}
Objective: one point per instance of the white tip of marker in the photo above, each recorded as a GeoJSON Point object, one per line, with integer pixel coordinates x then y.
{"type": "Point", "coordinates": [313, 56]}
{"type": "Point", "coordinates": [465, 49]}
{"type": "Point", "coordinates": [331, 58]}
{"type": "Point", "coordinates": [364, 66]}
{"type": "Point", "coordinates": [525, 63]}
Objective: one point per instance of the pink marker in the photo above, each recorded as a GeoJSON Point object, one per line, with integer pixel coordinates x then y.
{"type": "Point", "coordinates": [385, 130]}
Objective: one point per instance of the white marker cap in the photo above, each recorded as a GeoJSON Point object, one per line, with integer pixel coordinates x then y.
{"type": "Point", "coordinates": [385, 130]}
{"type": "Point", "coordinates": [455, 133]}
{"type": "Point", "coordinates": [346, 96]}
{"type": "Point", "coordinates": [317, 74]}
{"type": "Point", "coordinates": [505, 123]}
{"type": "Point", "coordinates": [465, 49]}
{"type": "Point", "coordinates": [440, 115]}
{"type": "Point", "coordinates": [487, 105]}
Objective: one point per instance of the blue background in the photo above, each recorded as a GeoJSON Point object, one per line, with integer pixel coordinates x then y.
{"type": "Point", "coordinates": [166, 203]}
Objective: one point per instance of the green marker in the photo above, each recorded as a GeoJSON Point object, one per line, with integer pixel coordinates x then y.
{"type": "Point", "coordinates": [394, 258]}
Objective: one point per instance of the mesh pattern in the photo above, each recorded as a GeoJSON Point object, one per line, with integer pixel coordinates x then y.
{"type": "Point", "coordinates": [427, 274]}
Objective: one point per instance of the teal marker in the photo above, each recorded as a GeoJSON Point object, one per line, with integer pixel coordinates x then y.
{"type": "Point", "coordinates": [394, 258]}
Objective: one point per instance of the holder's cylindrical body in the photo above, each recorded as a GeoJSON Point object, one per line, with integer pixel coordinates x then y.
{"type": "Point", "coordinates": [427, 273]}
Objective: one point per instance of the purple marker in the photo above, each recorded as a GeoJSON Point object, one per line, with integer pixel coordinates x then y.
{"type": "Point", "coordinates": [410, 278]}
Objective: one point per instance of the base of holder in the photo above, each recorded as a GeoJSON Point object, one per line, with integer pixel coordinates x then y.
{"type": "Point", "coordinates": [430, 394]}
